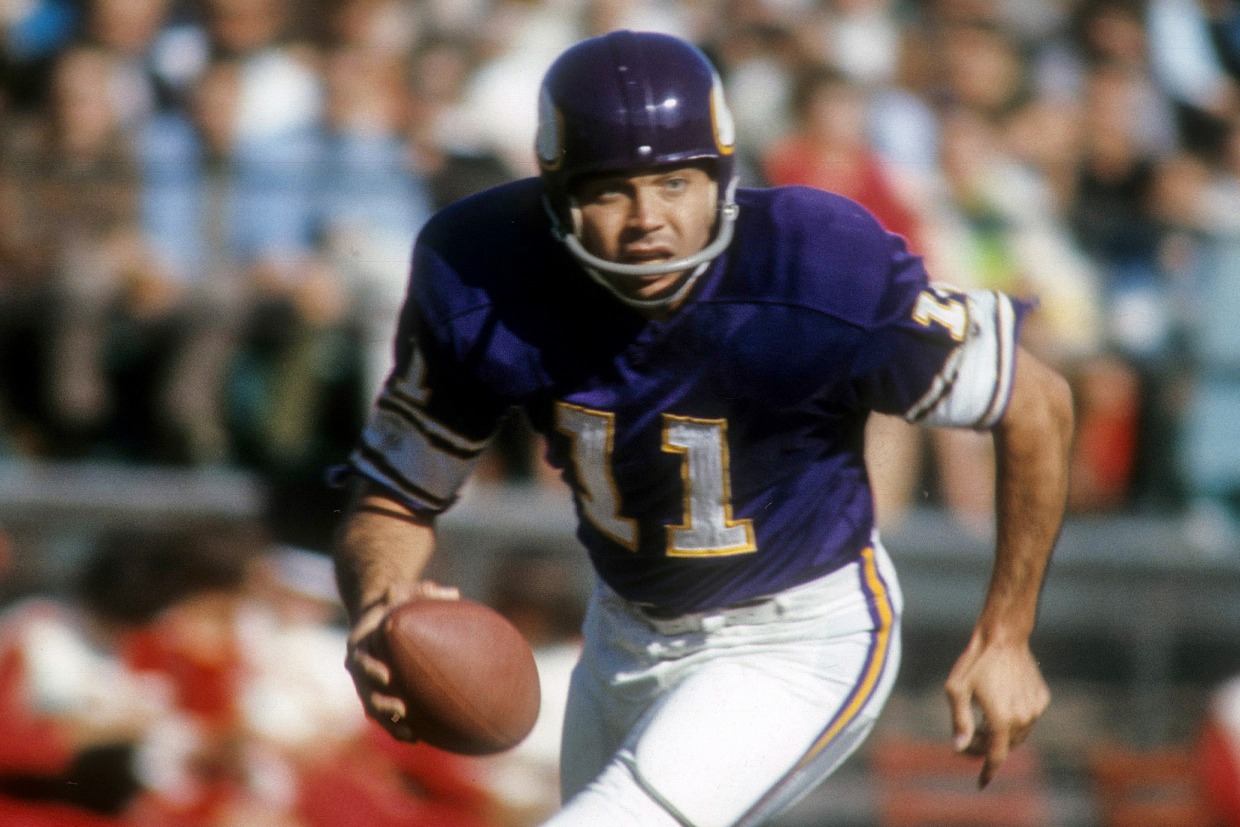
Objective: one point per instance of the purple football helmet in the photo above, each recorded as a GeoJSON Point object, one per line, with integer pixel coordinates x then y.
{"type": "Point", "coordinates": [628, 100]}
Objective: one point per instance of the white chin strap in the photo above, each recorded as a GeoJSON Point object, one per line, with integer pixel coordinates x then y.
{"type": "Point", "coordinates": [600, 269]}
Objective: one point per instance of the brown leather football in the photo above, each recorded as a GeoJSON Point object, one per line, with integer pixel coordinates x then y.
{"type": "Point", "coordinates": [465, 673]}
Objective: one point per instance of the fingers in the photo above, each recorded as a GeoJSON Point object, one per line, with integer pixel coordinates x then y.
{"type": "Point", "coordinates": [996, 692]}
{"type": "Point", "coordinates": [964, 730]}
{"type": "Point", "coordinates": [367, 663]}
{"type": "Point", "coordinates": [391, 714]}
{"type": "Point", "coordinates": [437, 591]}
{"type": "Point", "coordinates": [996, 753]}
{"type": "Point", "coordinates": [367, 623]}
{"type": "Point", "coordinates": [375, 670]}
{"type": "Point", "coordinates": [994, 745]}
{"type": "Point", "coordinates": [372, 676]}
{"type": "Point", "coordinates": [365, 660]}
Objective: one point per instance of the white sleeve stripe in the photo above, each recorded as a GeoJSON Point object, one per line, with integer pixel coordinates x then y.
{"type": "Point", "coordinates": [412, 459]}
{"type": "Point", "coordinates": [973, 387]}
{"type": "Point", "coordinates": [1005, 321]}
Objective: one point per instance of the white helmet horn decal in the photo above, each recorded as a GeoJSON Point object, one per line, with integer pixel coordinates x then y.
{"type": "Point", "coordinates": [549, 140]}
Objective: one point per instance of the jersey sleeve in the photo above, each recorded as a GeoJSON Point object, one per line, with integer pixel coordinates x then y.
{"type": "Point", "coordinates": [974, 385]}
{"type": "Point", "coordinates": [946, 358]}
{"type": "Point", "coordinates": [433, 418]}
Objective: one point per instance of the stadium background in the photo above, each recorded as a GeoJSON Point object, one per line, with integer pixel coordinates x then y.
{"type": "Point", "coordinates": [206, 210]}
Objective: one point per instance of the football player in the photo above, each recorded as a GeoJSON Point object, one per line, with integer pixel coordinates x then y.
{"type": "Point", "coordinates": [701, 360]}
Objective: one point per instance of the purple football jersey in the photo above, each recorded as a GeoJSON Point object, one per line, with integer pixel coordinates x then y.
{"type": "Point", "coordinates": [716, 455]}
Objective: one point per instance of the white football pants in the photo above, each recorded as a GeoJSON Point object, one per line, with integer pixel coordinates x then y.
{"type": "Point", "coordinates": [726, 718]}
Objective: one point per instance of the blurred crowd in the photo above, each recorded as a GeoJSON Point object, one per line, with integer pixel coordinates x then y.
{"type": "Point", "coordinates": [195, 678]}
{"type": "Point", "coordinates": [207, 208]}
{"type": "Point", "coordinates": [206, 214]}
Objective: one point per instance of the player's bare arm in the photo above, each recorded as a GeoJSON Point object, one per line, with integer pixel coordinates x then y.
{"type": "Point", "coordinates": [381, 550]}
{"type": "Point", "coordinates": [997, 672]}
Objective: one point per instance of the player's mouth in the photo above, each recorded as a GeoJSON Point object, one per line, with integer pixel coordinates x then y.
{"type": "Point", "coordinates": [646, 255]}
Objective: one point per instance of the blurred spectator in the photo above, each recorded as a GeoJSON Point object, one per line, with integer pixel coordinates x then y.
{"type": "Point", "coordinates": [453, 161]}
{"type": "Point", "coordinates": [862, 38]}
{"type": "Point", "coordinates": [107, 328]}
{"type": "Point", "coordinates": [294, 387]}
{"type": "Point", "coordinates": [31, 34]}
{"type": "Point", "coordinates": [1218, 753]}
{"type": "Point", "coordinates": [1201, 202]}
{"type": "Point", "coordinates": [1187, 66]}
{"type": "Point", "coordinates": [997, 226]}
{"type": "Point", "coordinates": [28, 252]}
{"type": "Point", "coordinates": [757, 55]}
{"type": "Point", "coordinates": [1045, 134]}
{"type": "Point", "coordinates": [1111, 205]}
{"type": "Point", "coordinates": [829, 148]}
{"type": "Point", "coordinates": [371, 197]}
{"type": "Point", "coordinates": [1115, 220]}
{"type": "Point", "coordinates": [983, 68]}
{"type": "Point", "coordinates": [518, 40]}
{"type": "Point", "coordinates": [229, 193]}
{"type": "Point", "coordinates": [73, 715]}
{"type": "Point", "coordinates": [228, 214]}
{"type": "Point", "coordinates": [297, 694]}
{"type": "Point", "coordinates": [142, 78]}
{"type": "Point", "coordinates": [195, 767]}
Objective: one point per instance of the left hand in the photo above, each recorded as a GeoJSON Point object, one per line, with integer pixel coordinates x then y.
{"type": "Point", "coordinates": [1003, 680]}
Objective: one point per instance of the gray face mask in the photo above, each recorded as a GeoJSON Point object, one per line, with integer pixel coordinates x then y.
{"type": "Point", "coordinates": [607, 273]}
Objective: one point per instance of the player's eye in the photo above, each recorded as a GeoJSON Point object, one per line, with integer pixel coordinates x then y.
{"type": "Point", "coordinates": [600, 191]}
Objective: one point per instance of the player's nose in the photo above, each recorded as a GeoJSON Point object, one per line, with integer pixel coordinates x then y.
{"type": "Point", "coordinates": [645, 210]}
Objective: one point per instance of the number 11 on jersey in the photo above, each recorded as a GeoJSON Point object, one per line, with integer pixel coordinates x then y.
{"type": "Point", "coordinates": [707, 528]}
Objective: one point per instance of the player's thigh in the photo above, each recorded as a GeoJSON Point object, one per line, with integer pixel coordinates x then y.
{"type": "Point", "coordinates": [589, 738]}
{"type": "Point", "coordinates": [741, 726]}
{"type": "Point", "coordinates": [736, 737]}
{"type": "Point", "coordinates": [731, 734]}
{"type": "Point", "coordinates": [611, 688]}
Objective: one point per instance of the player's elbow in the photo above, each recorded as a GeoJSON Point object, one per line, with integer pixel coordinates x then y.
{"type": "Point", "coordinates": [1060, 411]}
{"type": "Point", "coordinates": [1041, 405]}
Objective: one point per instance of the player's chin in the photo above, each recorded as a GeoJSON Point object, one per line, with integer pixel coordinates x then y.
{"type": "Point", "coordinates": [652, 287]}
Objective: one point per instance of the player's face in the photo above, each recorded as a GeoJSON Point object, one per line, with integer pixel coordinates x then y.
{"type": "Point", "coordinates": [645, 217]}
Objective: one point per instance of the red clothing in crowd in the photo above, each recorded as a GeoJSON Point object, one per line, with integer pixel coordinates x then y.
{"type": "Point", "coordinates": [32, 745]}
{"type": "Point", "coordinates": [795, 161]}
{"type": "Point", "coordinates": [1220, 755]}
